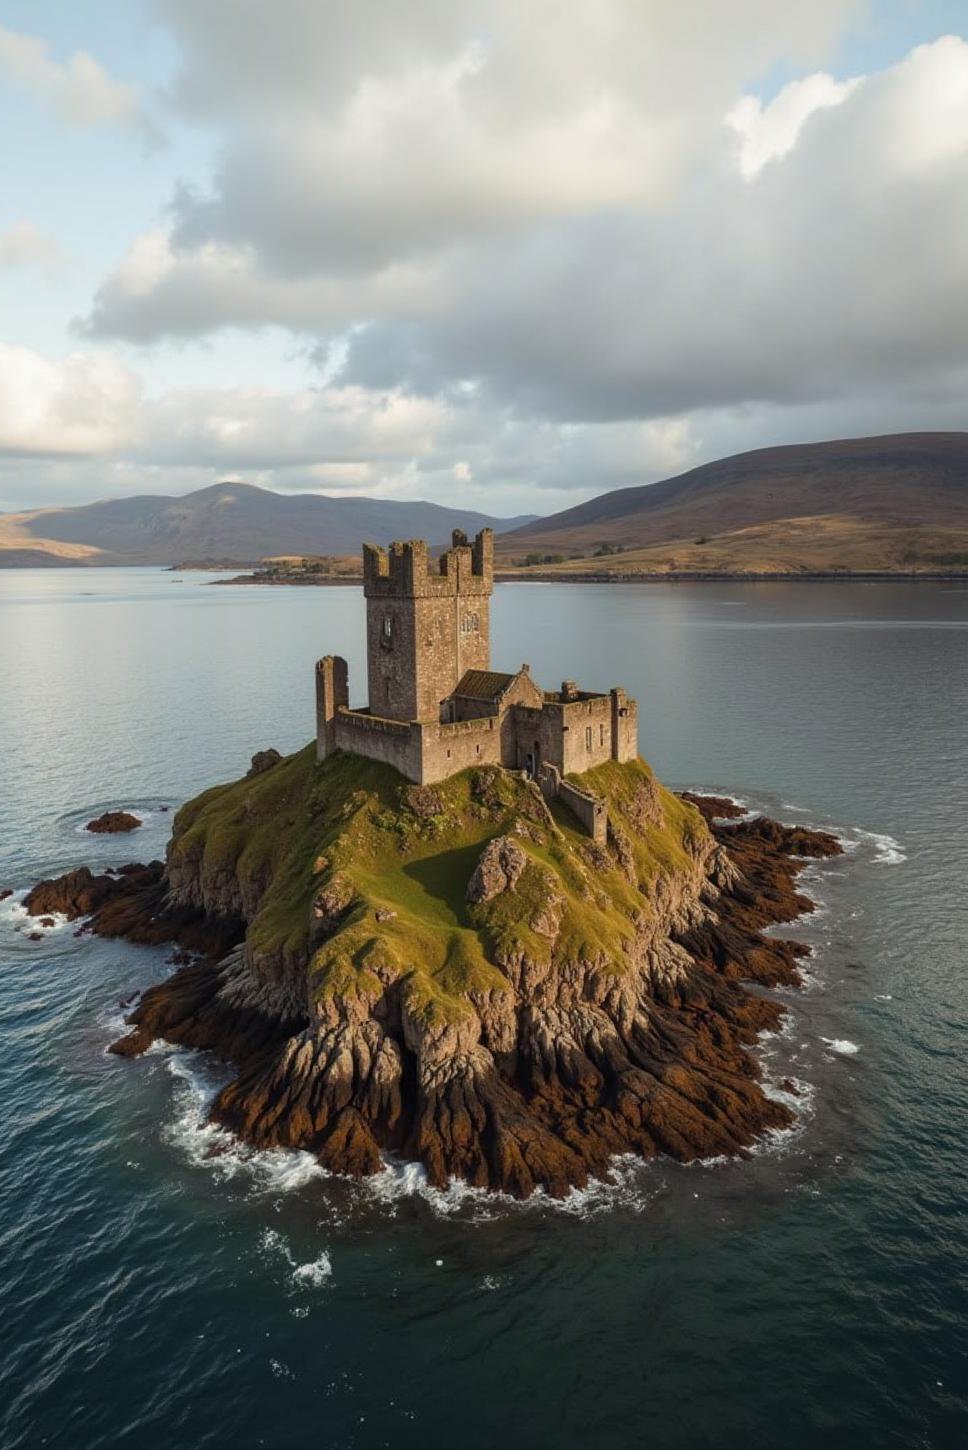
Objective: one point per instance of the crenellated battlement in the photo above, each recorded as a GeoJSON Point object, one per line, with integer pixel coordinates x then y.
{"type": "Point", "coordinates": [435, 706]}
{"type": "Point", "coordinates": [406, 570]}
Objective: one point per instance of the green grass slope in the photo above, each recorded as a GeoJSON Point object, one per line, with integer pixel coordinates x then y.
{"type": "Point", "coordinates": [346, 870]}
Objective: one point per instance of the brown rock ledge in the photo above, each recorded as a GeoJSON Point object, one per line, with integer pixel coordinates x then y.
{"type": "Point", "coordinates": [551, 1075]}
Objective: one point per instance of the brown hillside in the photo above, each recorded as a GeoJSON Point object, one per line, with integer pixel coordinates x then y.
{"type": "Point", "coordinates": [894, 503]}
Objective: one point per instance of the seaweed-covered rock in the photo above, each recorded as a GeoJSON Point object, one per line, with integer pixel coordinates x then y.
{"type": "Point", "coordinates": [113, 822]}
{"type": "Point", "coordinates": [467, 984]}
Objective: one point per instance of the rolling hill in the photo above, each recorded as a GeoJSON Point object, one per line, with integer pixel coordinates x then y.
{"type": "Point", "coordinates": [229, 521]}
{"type": "Point", "coordinates": [891, 504]}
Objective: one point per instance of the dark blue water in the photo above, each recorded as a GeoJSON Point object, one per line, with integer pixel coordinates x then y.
{"type": "Point", "coordinates": [157, 1293]}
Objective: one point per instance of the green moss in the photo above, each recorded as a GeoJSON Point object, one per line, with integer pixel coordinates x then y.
{"type": "Point", "coordinates": [292, 831]}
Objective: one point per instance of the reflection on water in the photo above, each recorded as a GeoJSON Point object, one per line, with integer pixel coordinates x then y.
{"type": "Point", "coordinates": [162, 1283]}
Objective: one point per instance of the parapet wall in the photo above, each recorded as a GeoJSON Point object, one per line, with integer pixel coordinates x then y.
{"type": "Point", "coordinates": [406, 570]}
{"type": "Point", "coordinates": [392, 741]}
{"type": "Point", "coordinates": [457, 744]}
{"type": "Point", "coordinates": [590, 810]}
{"type": "Point", "coordinates": [423, 751]}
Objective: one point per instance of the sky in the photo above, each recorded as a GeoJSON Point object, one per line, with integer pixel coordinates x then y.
{"type": "Point", "coordinates": [500, 255]}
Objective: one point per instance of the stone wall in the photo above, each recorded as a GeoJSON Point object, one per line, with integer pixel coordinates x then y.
{"type": "Point", "coordinates": [458, 744]}
{"type": "Point", "coordinates": [535, 736]}
{"type": "Point", "coordinates": [574, 735]}
{"type": "Point", "coordinates": [590, 809]}
{"type": "Point", "coordinates": [422, 751]}
{"type": "Point", "coordinates": [586, 726]}
{"type": "Point", "coordinates": [391, 741]}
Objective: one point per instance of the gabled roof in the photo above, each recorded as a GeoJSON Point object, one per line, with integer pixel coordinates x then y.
{"type": "Point", "coordinates": [483, 684]}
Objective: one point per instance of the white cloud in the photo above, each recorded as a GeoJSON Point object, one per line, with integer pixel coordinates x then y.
{"type": "Point", "coordinates": [364, 135]}
{"type": "Point", "coordinates": [768, 132]}
{"type": "Point", "coordinates": [340, 430]}
{"type": "Point", "coordinates": [80, 90]}
{"type": "Point", "coordinates": [83, 404]}
{"type": "Point", "coordinates": [550, 248]}
{"type": "Point", "coordinates": [828, 258]}
{"type": "Point", "coordinates": [25, 245]}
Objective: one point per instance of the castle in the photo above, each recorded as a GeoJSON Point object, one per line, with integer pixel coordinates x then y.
{"type": "Point", "coordinates": [435, 704]}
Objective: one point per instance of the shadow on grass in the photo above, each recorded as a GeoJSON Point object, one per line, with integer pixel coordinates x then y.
{"type": "Point", "coordinates": [440, 884]}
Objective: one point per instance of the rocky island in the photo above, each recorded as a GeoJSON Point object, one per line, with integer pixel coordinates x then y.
{"type": "Point", "coordinates": [472, 930]}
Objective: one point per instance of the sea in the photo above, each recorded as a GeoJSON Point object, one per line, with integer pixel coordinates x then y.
{"type": "Point", "coordinates": [163, 1286]}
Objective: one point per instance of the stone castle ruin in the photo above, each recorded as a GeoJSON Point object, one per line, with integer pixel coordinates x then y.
{"type": "Point", "coordinates": [435, 704]}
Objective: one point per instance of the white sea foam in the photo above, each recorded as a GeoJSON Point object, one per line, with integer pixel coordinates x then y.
{"type": "Point", "coordinates": [635, 1185]}
{"type": "Point", "coordinates": [13, 909]}
{"type": "Point", "coordinates": [841, 1045]}
{"type": "Point", "coordinates": [207, 1145]}
{"type": "Point", "coordinates": [750, 812]}
{"type": "Point", "coordinates": [887, 851]}
{"type": "Point", "coordinates": [15, 914]}
{"type": "Point", "coordinates": [801, 1100]}
{"type": "Point", "coordinates": [311, 1275]}
{"type": "Point", "coordinates": [281, 1170]}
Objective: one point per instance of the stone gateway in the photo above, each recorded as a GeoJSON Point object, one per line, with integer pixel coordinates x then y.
{"type": "Point", "coordinates": [436, 706]}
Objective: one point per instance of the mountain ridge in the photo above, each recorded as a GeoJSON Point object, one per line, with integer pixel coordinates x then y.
{"type": "Point", "coordinates": [888, 503]}
{"type": "Point", "coordinates": [223, 521]}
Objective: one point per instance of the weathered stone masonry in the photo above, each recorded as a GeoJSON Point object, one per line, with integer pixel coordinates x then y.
{"type": "Point", "coordinates": [435, 705]}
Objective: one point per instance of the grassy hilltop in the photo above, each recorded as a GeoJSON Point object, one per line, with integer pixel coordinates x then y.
{"type": "Point", "coordinates": [391, 863]}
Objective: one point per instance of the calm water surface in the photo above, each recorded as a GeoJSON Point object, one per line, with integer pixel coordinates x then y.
{"type": "Point", "coordinates": [159, 1293]}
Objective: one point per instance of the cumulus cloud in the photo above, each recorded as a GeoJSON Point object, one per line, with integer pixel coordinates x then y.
{"type": "Point", "coordinates": [25, 245]}
{"type": "Point", "coordinates": [765, 132]}
{"type": "Point", "coordinates": [80, 90]}
{"type": "Point", "coordinates": [336, 429]}
{"type": "Point", "coordinates": [83, 404]}
{"type": "Point", "coordinates": [574, 247]}
{"type": "Point", "coordinates": [356, 136]}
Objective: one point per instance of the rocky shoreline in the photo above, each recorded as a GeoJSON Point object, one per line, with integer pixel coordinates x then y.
{"type": "Point", "coordinates": [561, 1048]}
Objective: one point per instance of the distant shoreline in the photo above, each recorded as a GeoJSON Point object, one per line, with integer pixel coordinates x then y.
{"type": "Point", "coordinates": [601, 577]}
{"type": "Point", "coordinates": [539, 576]}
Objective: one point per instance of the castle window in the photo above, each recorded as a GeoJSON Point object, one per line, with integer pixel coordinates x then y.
{"type": "Point", "coordinates": [601, 734]}
{"type": "Point", "coordinates": [387, 628]}
{"type": "Point", "coordinates": [470, 623]}
{"type": "Point", "coordinates": [588, 737]}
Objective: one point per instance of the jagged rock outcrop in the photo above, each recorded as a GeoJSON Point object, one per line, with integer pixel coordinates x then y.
{"type": "Point", "coordinates": [468, 981]}
{"type": "Point", "coordinates": [262, 761]}
{"type": "Point", "coordinates": [501, 863]}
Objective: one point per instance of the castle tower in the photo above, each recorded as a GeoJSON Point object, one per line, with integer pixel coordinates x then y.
{"type": "Point", "coordinates": [332, 691]}
{"type": "Point", "coordinates": [427, 622]}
